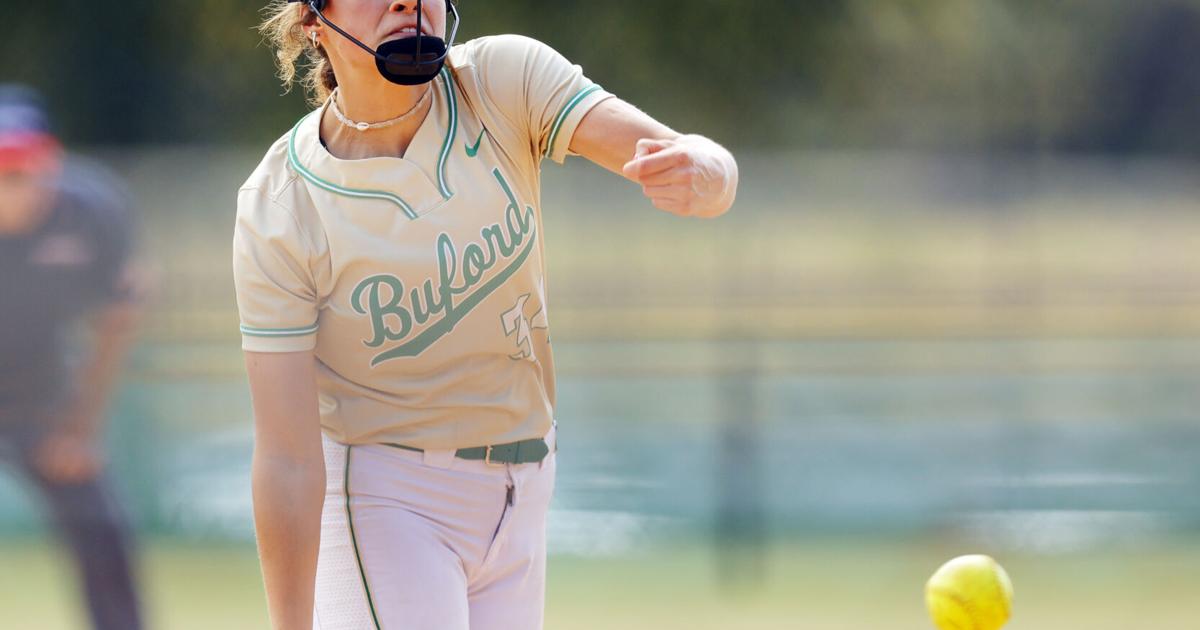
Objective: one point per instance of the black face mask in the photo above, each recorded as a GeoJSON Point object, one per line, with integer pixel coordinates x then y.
{"type": "Point", "coordinates": [411, 60]}
{"type": "Point", "coordinates": [407, 61]}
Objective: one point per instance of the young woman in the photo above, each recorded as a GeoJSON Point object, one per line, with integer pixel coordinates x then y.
{"type": "Point", "coordinates": [390, 281]}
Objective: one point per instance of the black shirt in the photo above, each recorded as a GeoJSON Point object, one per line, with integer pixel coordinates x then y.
{"type": "Point", "coordinates": [53, 277]}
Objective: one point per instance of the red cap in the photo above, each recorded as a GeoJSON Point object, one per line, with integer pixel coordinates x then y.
{"type": "Point", "coordinates": [29, 151]}
{"type": "Point", "coordinates": [26, 140]}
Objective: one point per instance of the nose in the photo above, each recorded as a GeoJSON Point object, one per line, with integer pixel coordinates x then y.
{"type": "Point", "coordinates": [404, 6]}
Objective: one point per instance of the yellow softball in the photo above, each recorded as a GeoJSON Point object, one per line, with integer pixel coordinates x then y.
{"type": "Point", "coordinates": [969, 593]}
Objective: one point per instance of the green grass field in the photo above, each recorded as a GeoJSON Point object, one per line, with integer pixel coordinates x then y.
{"type": "Point", "coordinates": [816, 584]}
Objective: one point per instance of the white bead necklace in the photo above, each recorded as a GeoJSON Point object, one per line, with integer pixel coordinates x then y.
{"type": "Point", "coordinates": [364, 126]}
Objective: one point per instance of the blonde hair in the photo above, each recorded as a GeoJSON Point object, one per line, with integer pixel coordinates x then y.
{"type": "Point", "coordinates": [283, 28]}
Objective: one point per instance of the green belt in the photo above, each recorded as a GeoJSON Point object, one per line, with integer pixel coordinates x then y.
{"type": "Point", "coordinates": [523, 452]}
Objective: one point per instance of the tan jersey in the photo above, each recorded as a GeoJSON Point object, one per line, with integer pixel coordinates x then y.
{"type": "Point", "coordinates": [419, 281]}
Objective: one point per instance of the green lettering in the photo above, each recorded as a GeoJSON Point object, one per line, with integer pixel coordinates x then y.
{"type": "Point", "coordinates": [494, 235]}
{"type": "Point", "coordinates": [378, 310]}
{"type": "Point", "coordinates": [380, 296]}
{"type": "Point", "coordinates": [431, 300]}
{"type": "Point", "coordinates": [473, 267]}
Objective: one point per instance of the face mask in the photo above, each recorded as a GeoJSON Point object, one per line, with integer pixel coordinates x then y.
{"type": "Point", "coordinates": [412, 60]}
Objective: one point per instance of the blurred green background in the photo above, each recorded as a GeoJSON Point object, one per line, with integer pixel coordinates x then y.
{"type": "Point", "coordinates": [956, 310]}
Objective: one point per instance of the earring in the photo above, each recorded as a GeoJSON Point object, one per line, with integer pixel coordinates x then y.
{"type": "Point", "coordinates": [314, 39]}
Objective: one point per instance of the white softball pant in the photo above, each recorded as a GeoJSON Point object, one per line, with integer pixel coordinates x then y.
{"type": "Point", "coordinates": [428, 541]}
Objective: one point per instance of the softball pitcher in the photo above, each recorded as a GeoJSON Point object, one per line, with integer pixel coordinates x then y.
{"type": "Point", "coordinates": [388, 258]}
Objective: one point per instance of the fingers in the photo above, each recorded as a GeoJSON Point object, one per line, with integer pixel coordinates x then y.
{"type": "Point", "coordinates": [674, 198]}
{"type": "Point", "coordinates": [650, 156]}
{"type": "Point", "coordinates": [677, 175]}
{"type": "Point", "coordinates": [648, 146]}
{"type": "Point", "coordinates": [65, 461]}
{"type": "Point", "coordinates": [71, 469]}
{"type": "Point", "coordinates": [669, 192]}
{"type": "Point", "coordinates": [685, 176]}
{"type": "Point", "coordinates": [665, 160]}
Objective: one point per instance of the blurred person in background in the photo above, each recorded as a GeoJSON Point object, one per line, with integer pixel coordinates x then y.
{"type": "Point", "coordinates": [65, 240]}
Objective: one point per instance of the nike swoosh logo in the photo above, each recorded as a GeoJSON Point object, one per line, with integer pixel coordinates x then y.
{"type": "Point", "coordinates": [472, 150]}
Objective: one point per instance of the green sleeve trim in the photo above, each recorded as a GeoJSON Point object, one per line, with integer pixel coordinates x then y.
{"type": "Point", "coordinates": [354, 540]}
{"type": "Point", "coordinates": [278, 332]}
{"type": "Point", "coordinates": [566, 111]}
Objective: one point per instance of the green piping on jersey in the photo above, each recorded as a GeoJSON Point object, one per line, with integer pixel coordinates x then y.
{"type": "Point", "coordinates": [451, 130]}
{"type": "Point", "coordinates": [341, 190]}
{"type": "Point", "coordinates": [278, 332]}
{"type": "Point", "coordinates": [354, 540]}
{"type": "Point", "coordinates": [452, 124]}
{"type": "Point", "coordinates": [566, 111]}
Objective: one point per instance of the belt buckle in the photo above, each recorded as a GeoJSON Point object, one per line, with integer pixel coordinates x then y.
{"type": "Point", "coordinates": [487, 458]}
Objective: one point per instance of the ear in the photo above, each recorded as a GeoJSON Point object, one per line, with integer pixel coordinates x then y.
{"type": "Point", "coordinates": [308, 17]}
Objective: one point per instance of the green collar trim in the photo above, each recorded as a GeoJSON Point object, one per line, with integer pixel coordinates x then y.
{"type": "Point", "coordinates": [451, 132]}
{"type": "Point", "coordinates": [566, 111]}
{"type": "Point", "coordinates": [452, 106]}
{"type": "Point", "coordinates": [341, 190]}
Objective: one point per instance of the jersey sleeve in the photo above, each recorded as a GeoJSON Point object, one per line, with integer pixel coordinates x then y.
{"type": "Point", "coordinates": [539, 91]}
{"type": "Point", "coordinates": [108, 208]}
{"type": "Point", "coordinates": [276, 294]}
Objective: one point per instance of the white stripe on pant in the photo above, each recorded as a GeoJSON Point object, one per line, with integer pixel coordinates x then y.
{"type": "Point", "coordinates": [413, 541]}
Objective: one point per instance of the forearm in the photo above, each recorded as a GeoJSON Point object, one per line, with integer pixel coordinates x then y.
{"type": "Point", "coordinates": [112, 337]}
{"type": "Point", "coordinates": [688, 174]}
{"type": "Point", "coordinates": [609, 133]}
{"type": "Point", "coordinates": [288, 481]}
{"type": "Point", "coordinates": [288, 498]}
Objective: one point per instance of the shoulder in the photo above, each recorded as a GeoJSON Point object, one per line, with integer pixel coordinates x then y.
{"type": "Point", "coordinates": [274, 175]}
{"type": "Point", "coordinates": [508, 50]}
{"type": "Point", "coordinates": [273, 191]}
{"type": "Point", "coordinates": [502, 73]}
{"type": "Point", "coordinates": [95, 196]}
{"type": "Point", "coordinates": [274, 201]}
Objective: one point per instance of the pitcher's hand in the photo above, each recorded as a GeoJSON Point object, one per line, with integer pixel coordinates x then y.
{"type": "Point", "coordinates": [690, 176]}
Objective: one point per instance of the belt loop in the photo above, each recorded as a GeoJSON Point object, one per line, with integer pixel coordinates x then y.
{"type": "Point", "coordinates": [438, 458]}
{"type": "Point", "coordinates": [551, 440]}
{"type": "Point", "coordinates": [487, 458]}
